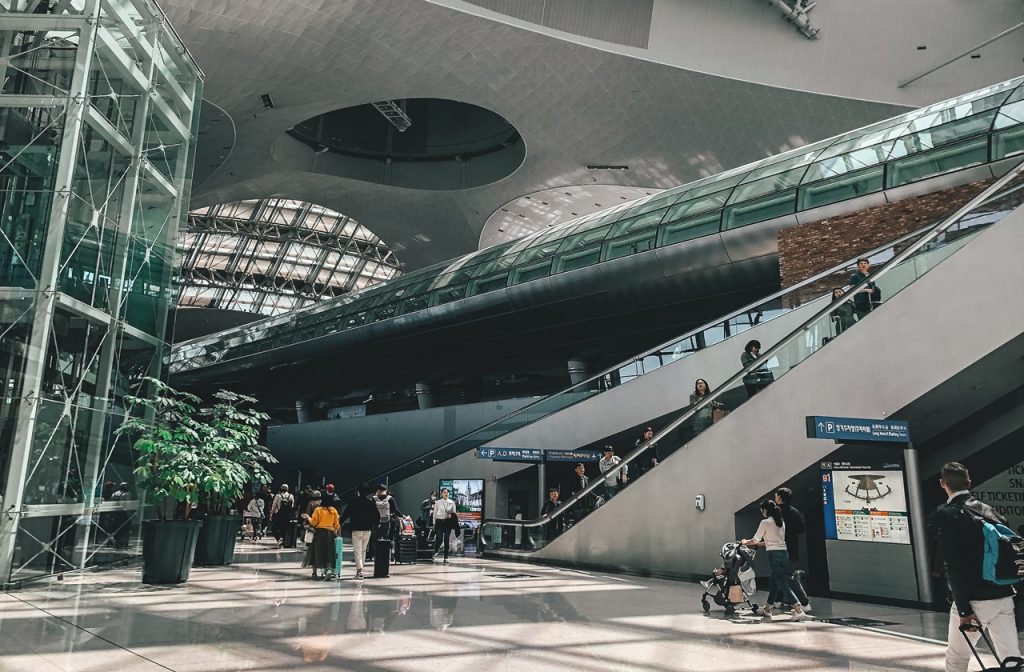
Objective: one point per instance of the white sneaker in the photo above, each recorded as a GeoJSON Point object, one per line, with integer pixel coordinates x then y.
{"type": "Point", "coordinates": [799, 616]}
{"type": "Point", "coordinates": [767, 611]}
{"type": "Point", "coordinates": [807, 607]}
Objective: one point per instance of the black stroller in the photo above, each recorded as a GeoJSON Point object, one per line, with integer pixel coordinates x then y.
{"type": "Point", "coordinates": [733, 583]}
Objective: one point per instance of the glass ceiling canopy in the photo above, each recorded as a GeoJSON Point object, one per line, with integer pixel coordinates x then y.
{"type": "Point", "coordinates": [272, 256]}
{"type": "Point", "coordinates": [974, 129]}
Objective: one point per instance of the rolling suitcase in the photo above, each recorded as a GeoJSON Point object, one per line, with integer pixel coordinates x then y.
{"type": "Point", "coordinates": [381, 558]}
{"type": "Point", "coordinates": [1007, 664]}
{"type": "Point", "coordinates": [337, 556]}
{"type": "Point", "coordinates": [405, 552]}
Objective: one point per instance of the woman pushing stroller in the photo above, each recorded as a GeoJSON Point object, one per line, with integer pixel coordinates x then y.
{"type": "Point", "coordinates": [771, 534]}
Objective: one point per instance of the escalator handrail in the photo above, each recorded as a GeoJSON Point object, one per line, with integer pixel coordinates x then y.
{"type": "Point", "coordinates": [693, 332]}
{"type": "Point", "coordinates": [710, 399]}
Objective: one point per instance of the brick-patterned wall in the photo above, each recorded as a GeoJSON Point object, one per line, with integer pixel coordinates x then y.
{"type": "Point", "coordinates": [807, 249]}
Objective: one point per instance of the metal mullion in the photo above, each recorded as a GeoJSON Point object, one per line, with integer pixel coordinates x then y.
{"type": "Point", "coordinates": [42, 23]}
{"type": "Point", "coordinates": [102, 125]}
{"type": "Point", "coordinates": [42, 323]}
{"type": "Point", "coordinates": [27, 100]}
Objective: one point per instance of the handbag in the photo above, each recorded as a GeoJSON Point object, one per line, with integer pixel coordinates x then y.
{"type": "Point", "coordinates": [718, 414]}
{"type": "Point", "coordinates": [308, 537]}
{"type": "Point", "coordinates": [736, 594]}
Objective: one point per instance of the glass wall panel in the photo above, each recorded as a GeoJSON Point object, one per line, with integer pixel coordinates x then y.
{"type": "Point", "coordinates": [758, 211]}
{"type": "Point", "coordinates": [689, 228]}
{"type": "Point", "coordinates": [29, 153]}
{"type": "Point", "coordinates": [1008, 142]}
{"type": "Point", "coordinates": [943, 160]}
{"type": "Point", "coordinates": [114, 236]}
{"type": "Point", "coordinates": [841, 188]}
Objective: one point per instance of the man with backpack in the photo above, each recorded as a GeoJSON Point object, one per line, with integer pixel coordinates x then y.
{"type": "Point", "coordinates": [977, 603]}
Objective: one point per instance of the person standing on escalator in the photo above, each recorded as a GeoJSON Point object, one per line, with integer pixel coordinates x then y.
{"type": "Point", "coordinates": [869, 296]}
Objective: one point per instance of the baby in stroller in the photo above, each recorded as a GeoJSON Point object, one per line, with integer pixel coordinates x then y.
{"type": "Point", "coordinates": [733, 583]}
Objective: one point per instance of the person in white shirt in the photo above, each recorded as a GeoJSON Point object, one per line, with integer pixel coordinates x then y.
{"type": "Point", "coordinates": [609, 463]}
{"type": "Point", "coordinates": [771, 534]}
{"type": "Point", "coordinates": [445, 520]}
{"type": "Point", "coordinates": [254, 515]}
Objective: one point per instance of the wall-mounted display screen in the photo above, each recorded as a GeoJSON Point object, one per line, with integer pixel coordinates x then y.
{"type": "Point", "coordinates": [865, 502]}
{"type": "Point", "coordinates": [468, 494]}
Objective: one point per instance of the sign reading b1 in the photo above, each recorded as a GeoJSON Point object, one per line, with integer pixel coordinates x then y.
{"type": "Point", "coordinates": [857, 429]}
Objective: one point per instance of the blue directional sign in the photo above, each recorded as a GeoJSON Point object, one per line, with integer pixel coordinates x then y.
{"type": "Point", "coordinates": [857, 429]}
{"type": "Point", "coordinates": [510, 454]}
{"type": "Point", "coordinates": [573, 455]}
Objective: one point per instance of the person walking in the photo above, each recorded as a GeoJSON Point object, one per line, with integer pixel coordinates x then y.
{"type": "Point", "coordinates": [427, 509]}
{"type": "Point", "coordinates": [771, 534]}
{"type": "Point", "coordinates": [975, 602]}
{"type": "Point", "coordinates": [754, 381]}
{"type": "Point", "coordinates": [614, 476]}
{"type": "Point", "coordinates": [322, 552]}
{"type": "Point", "coordinates": [445, 522]}
{"type": "Point", "coordinates": [387, 513]}
{"type": "Point", "coordinates": [253, 515]}
{"type": "Point", "coordinates": [362, 513]}
{"type": "Point", "coordinates": [869, 296]}
{"type": "Point", "coordinates": [282, 516]}
{"type": "Point", "coordinates": [795, 526]}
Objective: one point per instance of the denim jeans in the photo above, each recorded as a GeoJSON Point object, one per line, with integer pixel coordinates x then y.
{"type": "Point", "coordinates": [781, 590]}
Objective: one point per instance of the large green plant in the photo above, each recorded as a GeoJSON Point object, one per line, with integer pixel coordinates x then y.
{"type": "Point", "coordinates": [235, 456]}
{"type": "Point", "coordinates": [191, 455]}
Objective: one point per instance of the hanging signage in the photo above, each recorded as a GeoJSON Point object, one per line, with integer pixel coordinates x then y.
{"type": "Point", "coordinates": [510, 454]}
{"type": "Point", "coordinates": [857, 429]}
{"type": "Point", "coordinates": [573, 455]}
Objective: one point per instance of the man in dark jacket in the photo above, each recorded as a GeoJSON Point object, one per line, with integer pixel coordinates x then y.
{"type": "Point", "coordinates": [364, 516]}
{"type": "Point", "coordinates": [976, 603]}
{"type": "Point", "coordinates": [794, 521]}
{"type": "Point", "coordinates": [870, 295]}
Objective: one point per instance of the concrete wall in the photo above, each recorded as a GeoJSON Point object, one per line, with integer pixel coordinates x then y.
{"type": "Point", "coordinates": [352, 450]}
{"type": "Point", "coordinates": [936, 327]}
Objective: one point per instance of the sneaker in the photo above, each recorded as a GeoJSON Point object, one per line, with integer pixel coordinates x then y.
{"type": "Point", "coordinates": [767, 611]}
{"type": "Point", "coordinates": [799, 616]}
{"type": "Point", "coordinates": [807, 607]}
{"type": "Point", "coordinates": [359, 575]}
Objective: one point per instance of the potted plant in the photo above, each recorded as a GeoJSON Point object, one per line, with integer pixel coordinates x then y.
{"type": "Point", "coordinates": [187, 456]}
{"type": "Point", "coordinates": [168, 445]}
{"type": "Point", "coordinates": [233, 458]}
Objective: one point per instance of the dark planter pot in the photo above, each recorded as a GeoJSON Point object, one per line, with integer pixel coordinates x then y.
{"type": "Point", "coordinates": [168, 547]}
{"type": "Point", "coordinates": [216, 544]}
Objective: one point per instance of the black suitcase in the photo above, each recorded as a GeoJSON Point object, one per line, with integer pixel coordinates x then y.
{"type": "Point", "coordinates": [381, 559]}
{"type": "Point", "coordinates": [405, 552]}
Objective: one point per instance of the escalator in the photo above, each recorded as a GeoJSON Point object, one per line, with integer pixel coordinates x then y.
{"type": "Point", "coordinates": [943, 320]}
{"type": "Point", "coordinates": [654, 386]}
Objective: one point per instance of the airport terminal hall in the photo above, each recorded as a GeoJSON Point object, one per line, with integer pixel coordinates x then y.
{"type": "Point", "coordinates": [511, 335]}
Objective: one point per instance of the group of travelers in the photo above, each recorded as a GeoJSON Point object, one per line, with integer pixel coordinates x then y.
{"type": "Point", "coordinates": [973, 543]}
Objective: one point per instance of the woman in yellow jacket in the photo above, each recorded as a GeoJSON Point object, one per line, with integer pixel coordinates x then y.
{"type": "Point", "coordinates": [326, 525]}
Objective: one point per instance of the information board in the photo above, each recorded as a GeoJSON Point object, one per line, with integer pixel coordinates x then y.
{"type": "Point", "coordinates": [857, 429]}
{"type": "Point", "coordinates": [510, 454]}
{"type": "Point", "coordinates": [865, 502]}
{"type": "Point", "coordinates": [468, 494]}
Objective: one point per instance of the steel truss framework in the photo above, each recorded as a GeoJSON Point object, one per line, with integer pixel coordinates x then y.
{"type": "Point", "coordinates": [274, 255]}
{"type": "Point", "coordinates": [98, 110]}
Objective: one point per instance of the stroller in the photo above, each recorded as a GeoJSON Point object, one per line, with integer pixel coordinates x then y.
{"type": "Point", "coordinates": [733, 583]}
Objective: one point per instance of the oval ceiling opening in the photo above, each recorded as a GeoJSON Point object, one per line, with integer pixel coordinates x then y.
{"type": "Point", "coordinates": [416, 143]}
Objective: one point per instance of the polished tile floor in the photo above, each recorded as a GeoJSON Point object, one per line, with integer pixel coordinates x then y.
{"type": "Point", "coordinates": [266, 614]}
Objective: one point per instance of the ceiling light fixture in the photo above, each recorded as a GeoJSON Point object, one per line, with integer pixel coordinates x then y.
{"type": "Point", "coordinates": [395, 115]}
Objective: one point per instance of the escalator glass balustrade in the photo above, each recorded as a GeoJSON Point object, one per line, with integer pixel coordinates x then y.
{"type": "Point", "coordinates": [908, 260]}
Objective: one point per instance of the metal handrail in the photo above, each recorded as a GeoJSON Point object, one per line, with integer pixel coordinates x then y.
{"type": "Point", "coordinates": [656, 349]}
{"type": "Point", "coordinates": [710, 399]}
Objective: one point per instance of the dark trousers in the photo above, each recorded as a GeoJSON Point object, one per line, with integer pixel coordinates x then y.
{"type": "Point", "coordinates": [442, 536]}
